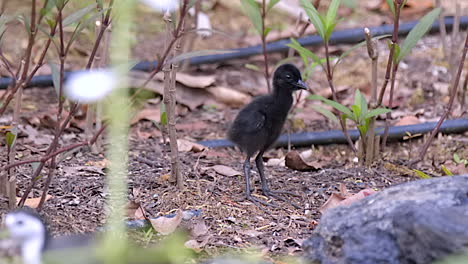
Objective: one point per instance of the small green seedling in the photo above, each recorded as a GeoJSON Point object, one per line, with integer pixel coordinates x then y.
{"type": "Point", "coordinates": [459, 160]}
{"type": "Point", "coordinates": [358, 113]}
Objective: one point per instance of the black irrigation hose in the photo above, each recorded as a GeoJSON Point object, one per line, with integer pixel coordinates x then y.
{"type": "Point", "coordinates": [336, 136]}
{"type": "Point", "coordinates": [348, 36]}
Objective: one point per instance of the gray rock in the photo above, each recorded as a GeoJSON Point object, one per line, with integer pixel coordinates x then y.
{"type": "Point", "coordinates": [412, 223]}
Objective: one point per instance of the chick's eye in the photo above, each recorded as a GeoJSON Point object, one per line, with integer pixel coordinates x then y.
{"type": "Point", "coordinates": [288, 76]}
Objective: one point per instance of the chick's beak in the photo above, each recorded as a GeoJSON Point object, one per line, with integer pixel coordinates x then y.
{"type": "Point", "coordinates": [302, 85]}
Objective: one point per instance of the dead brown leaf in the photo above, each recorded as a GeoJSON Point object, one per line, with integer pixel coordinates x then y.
{"type": "Point", "coordinates": [190, 97]}
{"type": "Point", "coordinates": [199, 228]}
{"type": "Point", "coordinates": [33, 202]}
{"type": "Point", "coordinates": [166, 225]}
{"type": "Point", "coordinates": [199, 81]}
{"type": "Point", "coordinates": [198, 244]}
{"type": "Point", "coordinates": [296, 162]}
{"type": "Point", "coordinates": [225, 170]}
{"type": "Point", "coordinates": [186, 146]}
{"type": "Point", "coordinates": [192, 126]}
{"type": "Point", "coordinates": [135, 211]}
{"type": "Point", "coordinates": [229, 96]}
{"type": "Point", "coordinates": [151, 114]}
{"type": "Point", "coordinates": [344, 197]}
{"type": "Point", "coordinates": [408, 120]}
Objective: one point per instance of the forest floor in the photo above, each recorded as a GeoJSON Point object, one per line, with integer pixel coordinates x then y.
{"type": "Point", "coordinates": [214, 183]}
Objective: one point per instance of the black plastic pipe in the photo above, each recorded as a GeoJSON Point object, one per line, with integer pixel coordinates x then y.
{"type": "Point", "coordinates": [348, 36]}
{"type": "Point", "coordinates": [336, 136]}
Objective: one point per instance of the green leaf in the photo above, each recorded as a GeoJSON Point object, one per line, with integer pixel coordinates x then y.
{"type": "Point", "coordinates": [362, 104]}
{"type": "Point", "coordinates": [331, 14]}
{"type": "Point", "coordinates": [163, 116]}
{"type": "Point", "coordinates": [26, 22]}
{"type": "Point", "coordinates": [392, 6]}
{"type": "Point", "coordinates": [315, 17]}
{"type": "Point", "coordinates": [271, 4]}
{"type": "Point", "coordinates": [309, 69]}
{"type": "Point", "coordinates": [356, 113]}
{"type": "Point", "coordinates": [352, 4]}
{"type": "Point", "coordinates": [418, 32]}
{"type": "Point", "coordinates": [456, 158]}
{"type": "Point", "coordinates": [396, 53]}
{"type": "Point", "coordinates": [55, 77]}
{"type": "Point", "coordinates": [60, 4]}
{"type": "Point", "coordinates": [84, 24]}
{"type": "Point", "coordinates": [78, 15]}
{"type": "Point", "coordinates": [446, 171]}
{"type": "Point", "coordinates": [329, 31]}
{"type": "Point", "coordinates": [267, 30]}
{"type": "Point", "coordinates": [10, 139]}
{"type": "Point", "coordinates": [252, 10]}
{"type": "Point", "coordinates": [362, 130]}
{"type": "Point", "coordinates": [377, 112]}
{"type": "Point", "coordinates": [100, 4]}
{"type": "Point", "coordinates": [422, 175]}
{"type": "Point", "coordinates": [331, 103]}
{"type": "Point", "coordinates": [303, 52]}
{"type": "Point", "coordinates": [328, 114]}
{"type": "Point", "coordinates": [252, 67]}
{"type": "Point", "coordinates": [3, 20]}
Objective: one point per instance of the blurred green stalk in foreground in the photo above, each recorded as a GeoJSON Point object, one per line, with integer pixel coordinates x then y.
{"type": "Point", "coordinates": [115, 242]}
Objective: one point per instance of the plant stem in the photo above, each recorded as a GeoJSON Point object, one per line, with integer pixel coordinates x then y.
{"type": "Point", "coordinates": [162, 60]}
{"type": "Point", "coordinates": [171, 121]}
{"type": "Point", "coordinates": [11, 185]}
{"type": "Point", "coordinates": [390, 105]}
{"type": "Point", "coordinates": [396, 25]}
{"type": "Point", "coordinates": [463, 92]}
{"type": "Point", "coordinates": [373, 52]}
{"type": "Point", "coordinates": [453, 94]}
{"type": "Point", "coordinates": [443, 31]}
{"type": "Point", "coordinates": [51, 152]}
{"type": "Point", "coordinates": [45, 158]}
{"type": "Point", "coordinates": [391, 70]}
{"type": "Point", "coordinates": [115, 242]}
{"type": "Point", "coordinates": [264, 50]}
{"type": "Point", "coordinates": [335, 97]}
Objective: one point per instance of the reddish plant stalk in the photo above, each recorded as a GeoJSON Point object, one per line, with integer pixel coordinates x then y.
{"type": "Point", "coordinates": [453, 94]}
{"type": "Point", "coordinates": [391, 69]}
{"type": "Point", "coordinates": [60, 125]}
{"type": "Point", "coordinates": [396, 25]}
{"type": "Point", "coordinates": [335, 97]}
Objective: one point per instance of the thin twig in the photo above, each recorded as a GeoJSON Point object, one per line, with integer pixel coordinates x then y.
{"type": "Point", "coordinates": [463, 91]}
{"type": "Point", "coordinates": [453, 94]}
{"type": "Point", "coordinates": [162, 60]}
{"type": "Point", "coordinates": [264, 50]}
{"type": "Point", "coordinates": [51, 151]}
{"type": "Point", "coordinates": [335, 97]}
{"type": "Point", "coordinates": [442, 29]}
{"type": "Point", "coordinates": [391, 70]}
{"type": "Point", "coordinates": [33, 72]}
{"type": "Point", "coordinates": [396, 25]}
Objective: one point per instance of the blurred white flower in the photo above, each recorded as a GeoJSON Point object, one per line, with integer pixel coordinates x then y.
{"type": "Point", "coordinates": [162, 5]}
{"type": "Point", "coordinates": [90, 86]}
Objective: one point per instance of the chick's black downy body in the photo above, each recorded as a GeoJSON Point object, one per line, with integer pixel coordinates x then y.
{"type": "Point", "coordinates": [259, 124]}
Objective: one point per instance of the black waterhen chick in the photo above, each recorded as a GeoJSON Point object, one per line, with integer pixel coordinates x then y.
{"type": "Point", "coordinates": [259, 124]}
